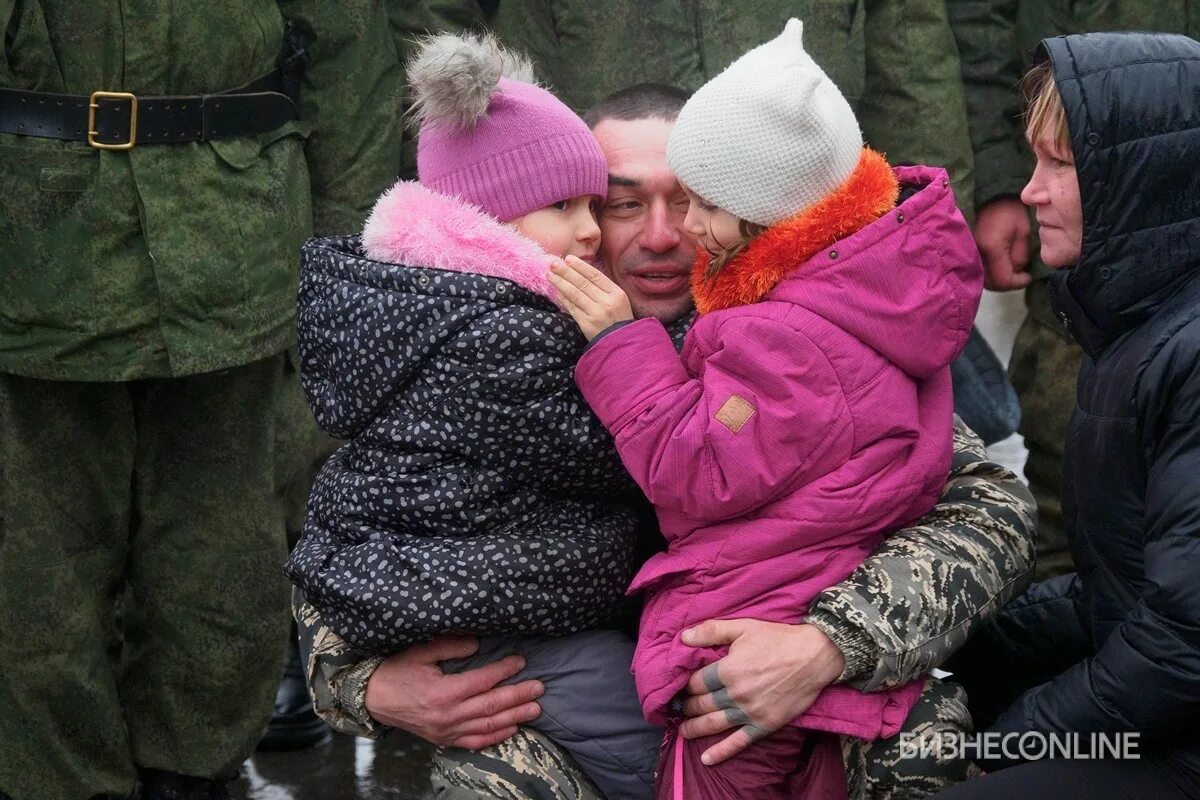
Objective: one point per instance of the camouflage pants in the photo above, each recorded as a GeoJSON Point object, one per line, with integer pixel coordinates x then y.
{"type": "Point", "coordinates": [530, 767]}
{"type": "Point", "coordinates": [142, 606]}
{"type": "Point", "coordinates": [1044, 369]}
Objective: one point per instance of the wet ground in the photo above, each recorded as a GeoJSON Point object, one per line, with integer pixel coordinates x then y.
{"type": "Point", "coordinates": [395, 768]}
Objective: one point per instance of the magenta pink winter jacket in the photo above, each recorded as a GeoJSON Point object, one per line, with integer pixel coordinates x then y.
{"type": "Point", "coordinates": [796, 431]}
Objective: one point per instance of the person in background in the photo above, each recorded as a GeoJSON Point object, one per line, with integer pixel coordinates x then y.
{"type": "Point", "coordinates": [995, 41]}
{"type": "Point", "coordinates": [1113, 649]}
{"type": "Point", "coordinates": [147, 305]}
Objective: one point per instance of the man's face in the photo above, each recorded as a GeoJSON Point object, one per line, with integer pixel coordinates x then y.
{"type": "Point", "coordinates": [644, 247]}
{"type": "Point", "coordinates": [1053, 193]}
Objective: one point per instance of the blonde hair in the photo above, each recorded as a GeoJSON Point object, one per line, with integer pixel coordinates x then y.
{"type": "Point", "coordinates": [718, 260]}
{"type": "Point", "coordinates": [1042, 106]}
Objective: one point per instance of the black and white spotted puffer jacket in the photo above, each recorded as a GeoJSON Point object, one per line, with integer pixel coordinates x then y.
{"type": "Point", "coordinates": [477, 492]}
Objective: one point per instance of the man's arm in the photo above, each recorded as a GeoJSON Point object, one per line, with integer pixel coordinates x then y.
{"type": "Point", "coordinates": [366, 697]}
{"type": "Point", "coordinates": [921, 594]}
{"type": "Point", "coordinates": [985, 31]}
{"type": "Point", "coordinates": [350, 96]}
{"type": "Point", "coordinates": [336, 675]}
{"type": "Point", "coordinates": [912, 108]}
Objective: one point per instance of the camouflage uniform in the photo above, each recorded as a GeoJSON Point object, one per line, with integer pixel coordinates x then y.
{"type": "Point", "coordinates": [146, 301]}
{"type": "Point", "coordinates": [903, 611]}
{"type": "Point", "coordinates": [529, 766]}
{"type": "Point", "coordinates": [996, 39]}
{"type": "Point", "coordinates": [894, 61]}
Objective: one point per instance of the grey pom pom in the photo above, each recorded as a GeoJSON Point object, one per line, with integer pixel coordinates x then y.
{"type": "Point", "coordinates": [452, 78]}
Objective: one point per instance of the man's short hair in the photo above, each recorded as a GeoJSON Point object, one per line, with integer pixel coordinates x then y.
{"type": "Point", "coordinates": [640, 101]}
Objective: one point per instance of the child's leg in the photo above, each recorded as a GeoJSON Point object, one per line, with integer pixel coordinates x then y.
{"type": "Point", "coordinates": [590, 707]}
{"type": "Point", "coordinates": [790, 763]}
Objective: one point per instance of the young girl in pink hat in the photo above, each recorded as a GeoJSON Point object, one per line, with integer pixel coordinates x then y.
{"type": "Point", "coordinates": [811, 410]}
{"type": "Point", "coordinates": [476, 493]}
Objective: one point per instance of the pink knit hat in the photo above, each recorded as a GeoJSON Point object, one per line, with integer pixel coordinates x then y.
{"type": "Point", "coordinates": [500, 143]}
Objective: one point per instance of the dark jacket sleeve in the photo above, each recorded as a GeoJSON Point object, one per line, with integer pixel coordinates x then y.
{"type": "Point", "coordinates": [1035, 637]}
{"type": "Point", "coordinates": [929, 586]}
{"type": "Point", "coordinates": [1144, 676]}
{"type": "Point", "coordinates": [985, 31]}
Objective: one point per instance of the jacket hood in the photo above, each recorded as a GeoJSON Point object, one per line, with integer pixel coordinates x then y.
{"type": "Point", "coordinates": [412, 224]}
{"type": "Point", "coordinates": [1134, 124]}
{"type": "Point", "coordinates": [904, 279]}
{"type": "Point", "coordinates": [424, 270]}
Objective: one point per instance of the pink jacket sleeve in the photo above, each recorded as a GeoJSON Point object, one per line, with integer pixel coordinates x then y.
{"type": "Point", "coordinates": [764, 414]}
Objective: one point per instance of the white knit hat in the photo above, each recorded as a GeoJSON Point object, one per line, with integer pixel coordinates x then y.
{"type": "Point", "coordinates": [767, 137]}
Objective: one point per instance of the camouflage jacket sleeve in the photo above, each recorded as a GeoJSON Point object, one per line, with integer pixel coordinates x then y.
{"type": "Point", "coordinates": [921, 594]}
{"type": "Point", "coordinates": [912, 108]}
{"type": "Point", "coordinates": [337, 675]}
{"type": "Point", "coordinates": [986, 34]}
{"type": "Point", "coordinates": [350, 99]}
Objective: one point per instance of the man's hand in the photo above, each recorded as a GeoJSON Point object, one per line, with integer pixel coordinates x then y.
{"type": "Point", "coordinates": [589, 296]}
{"type": "Point", "coordinates": [1002, 235]}
{"type": "Point", "coordinates": [772, 674]}
{"type": "Point", "coordinates": [409, 691]}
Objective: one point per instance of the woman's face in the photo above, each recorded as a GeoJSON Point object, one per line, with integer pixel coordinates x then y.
{"type": "Point", "coordinates": [565, 228]}
{"type": "Point", "coordinates": [1053, 193]}
{"type": "Point", "coordinates": [715, 228]}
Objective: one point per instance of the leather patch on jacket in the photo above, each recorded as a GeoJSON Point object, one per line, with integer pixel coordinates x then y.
{"type": "Point", "coordinates": [734, 412]}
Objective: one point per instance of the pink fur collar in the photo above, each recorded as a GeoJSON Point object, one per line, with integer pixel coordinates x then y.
{"type": "Point", "coordinates": [418, 227]}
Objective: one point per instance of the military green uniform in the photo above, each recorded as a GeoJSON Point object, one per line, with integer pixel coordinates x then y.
{"type": "Point", "coordinates": [896, 62]}
{"type": "Point", "coordinates": [996, 39]}
{"type": "Point", "coordinates": [903, 611]}
{"type": "Point", "coordinates": [146, 301]}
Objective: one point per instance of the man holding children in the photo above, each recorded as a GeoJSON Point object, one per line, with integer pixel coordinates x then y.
{"type": "Point", "coordinates": [903, 610]}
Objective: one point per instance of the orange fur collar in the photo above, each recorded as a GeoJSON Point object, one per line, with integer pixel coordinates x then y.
{"type": "Point", "coordinates": [870, 192]}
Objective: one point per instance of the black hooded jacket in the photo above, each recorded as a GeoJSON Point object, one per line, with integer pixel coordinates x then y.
{"type": "Point", "coordinates": [1131, 491]}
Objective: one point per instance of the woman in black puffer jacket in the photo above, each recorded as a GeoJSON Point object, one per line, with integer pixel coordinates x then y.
{"type": "Point", "coordinates": [1115, 124]}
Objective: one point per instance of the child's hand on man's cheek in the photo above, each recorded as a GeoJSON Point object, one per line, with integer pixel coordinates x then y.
{"type": "Point", "coordinates": [594, 301]}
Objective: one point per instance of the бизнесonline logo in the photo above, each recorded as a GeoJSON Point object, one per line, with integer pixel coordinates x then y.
{"type": "Point", "coordinates": [1027, 746]}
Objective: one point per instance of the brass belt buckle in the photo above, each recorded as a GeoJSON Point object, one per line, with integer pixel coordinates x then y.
{"type": "Point", "coordinates": [94, 103]}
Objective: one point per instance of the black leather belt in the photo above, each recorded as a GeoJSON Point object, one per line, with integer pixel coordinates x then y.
{"type": "Point", "coordinates": [120, 120]}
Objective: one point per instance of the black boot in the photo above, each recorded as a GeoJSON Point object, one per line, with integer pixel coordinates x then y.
{"type": "Point", "coordinates": [294, 725]}
{"type": "Point", "coordinates": [156, 784]}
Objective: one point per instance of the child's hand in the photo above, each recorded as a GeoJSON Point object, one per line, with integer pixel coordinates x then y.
{"type": "Point", "coordinates": [588, 295]}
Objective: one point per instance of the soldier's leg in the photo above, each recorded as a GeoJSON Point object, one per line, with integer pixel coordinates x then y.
{"type": "Point", "coordinates": [300, 450]}
{"type": "Point", "coordinates": [888, 769]}
{"type": "Point", "coordinates": [527, 765]}
{"type": "Point", "coordinates": [209, 598]}
{"type": "Point", "coordinates": [1044, 368]}
{"type": "Point", "coordinates": [66, 456]}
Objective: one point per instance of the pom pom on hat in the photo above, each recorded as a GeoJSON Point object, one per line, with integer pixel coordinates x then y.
{"type": "Point", "coordinates": [489, 136]}
{"type": "Point", "coordinates": [452, 78]}
{"type": "Point", "coordinates": [767, 137]}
